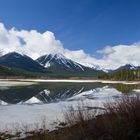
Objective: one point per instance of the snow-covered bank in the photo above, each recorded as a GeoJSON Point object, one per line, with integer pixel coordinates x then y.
{"type": "Point", "coordinates": [73, 81]}
{"type": "Point", "coordinates": [10, 83]}
{"type": "Point", "coordinates": [32, 81]}
{"type": "Point", "coordinates": [121, 82]}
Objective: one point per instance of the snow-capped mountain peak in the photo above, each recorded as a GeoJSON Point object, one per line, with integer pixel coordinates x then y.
{"type": "Point", "coordinates": [59, 60]}
{"type": "Point", "coordinates": [59, 56]}
{"type": "Point", "coordinates": [131, 66]}
{"type": "Point", "coordinates": [128, 66]}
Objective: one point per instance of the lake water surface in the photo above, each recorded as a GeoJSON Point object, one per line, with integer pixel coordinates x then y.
{"type": "Point", "coordinates": [45, 93]}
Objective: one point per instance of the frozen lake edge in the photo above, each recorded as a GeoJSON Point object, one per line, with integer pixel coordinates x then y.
{"type": "Point", "coordinates": [33, 81]}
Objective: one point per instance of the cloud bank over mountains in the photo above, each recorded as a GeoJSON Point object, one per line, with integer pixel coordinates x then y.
{"type": "Point", "coordinates": [35, 44]}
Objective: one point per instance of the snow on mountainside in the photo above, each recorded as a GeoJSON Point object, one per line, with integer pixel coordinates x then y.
{"type": "Point", "coordinates": [95, 67]}
{"type": "Point", "coordinates": [46, 60]}
{"type": "Point", "coordinates": [57, 62]}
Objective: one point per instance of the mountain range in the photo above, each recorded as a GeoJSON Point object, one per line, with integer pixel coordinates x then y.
{"type": "Point", "coordinates": [59, 63]}
{"type": "Point", "coordinates": [47, 64]}
{"type": "Point", "coordinates": [13, 63]}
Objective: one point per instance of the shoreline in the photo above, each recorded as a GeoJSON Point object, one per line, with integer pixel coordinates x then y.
{"type": "Point", "coordinates": [71, 81]}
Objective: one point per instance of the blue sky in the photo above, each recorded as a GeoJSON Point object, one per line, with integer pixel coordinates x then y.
{"type": "Point", "coordinates": [88, 26]}
{"type": "Point", "coordinates": [79, 24]}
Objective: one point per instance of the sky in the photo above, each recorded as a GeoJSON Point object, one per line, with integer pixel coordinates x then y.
{"type": "Point", "coordinates": [91, 32]}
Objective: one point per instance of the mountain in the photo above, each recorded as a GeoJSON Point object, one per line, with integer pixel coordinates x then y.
{"type": "Point", "coordinates": [59, 63]}
{"type": "Point", "coordinates": [10, 72]}
{"type": "Point", "coordinates": [96, 67]}
{"type": "Point", "coordinates": [129, 67]}
{"type": "Point", "coordinates": [20, 61]}
{"type": "Point", "coordinates": [5, 71]}
{"type": "Point", "coordinates": [127, 73]}
{"type": "Point", "coordinates": [138, 67]}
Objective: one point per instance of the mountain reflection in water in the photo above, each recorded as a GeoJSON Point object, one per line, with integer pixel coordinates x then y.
{"type": "Point", "coordinates": [54, 92]}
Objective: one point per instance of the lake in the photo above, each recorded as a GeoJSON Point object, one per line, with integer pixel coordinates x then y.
{"type": "Point", "coordinates": [28, 103]}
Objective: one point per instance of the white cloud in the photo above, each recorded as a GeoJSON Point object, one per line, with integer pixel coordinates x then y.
{"type": "Point", "coordinates": [112, 57]}
{"type": "Point", "coordinates": [120, 55]}
{"type": "Point", "coordinates": [35, 44]}
{"type": "Point", "coordinates": [107, 50]}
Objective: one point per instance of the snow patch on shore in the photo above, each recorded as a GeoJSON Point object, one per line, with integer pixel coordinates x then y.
{"type": "Point", "coordinates": [8, 83]}
{"type": "Point", "coordinates": [78, 81]}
